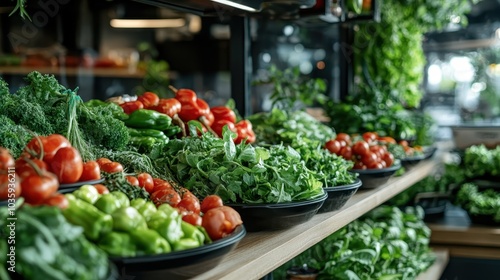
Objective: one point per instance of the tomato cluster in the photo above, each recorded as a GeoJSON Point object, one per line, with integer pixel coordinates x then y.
{"type": "Point", "coordinates": [225, 116]}
{"type": "Point", "coordinates": [366, 151]}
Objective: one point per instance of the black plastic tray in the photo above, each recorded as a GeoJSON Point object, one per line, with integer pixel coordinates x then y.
{"type": "Point", "coordinates": [339, 195]}
{"type": "Point", "coordinates": [486, 220]}
{"type": "Point", "coordinates": [181, 264]}
{"type": "Point", "coordinates": [79, 184]}
{"type": "Point", "coordinates": [268, 217]}
{"type": "Point", "coordinates": [373, 178]}
{"type": "Point", "coordinates": [412, 161]}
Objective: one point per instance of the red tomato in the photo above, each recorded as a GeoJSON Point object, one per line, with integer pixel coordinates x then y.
{"type": "Point", "coordinates": [112, 167]}
{"type": "Point", "coordinates": [161, 186]}
{"type": "Point", "coordinates": [346, 152]}
{"type": "Point", "coordinates": [146, 182]}
{"type": "Point", "coordinates": [166, 195]}
{"type": "Point", "coordinates": [91, 171]}
{"type": "Point", "coordinates": [101, 189]}
{"type": "Point", "coordinates": [52, 144]}
{"type": "Point", "coordinates": [378, 150]}
{"type": "Point", "coordinates": [185, 96]}
{"type": "Point", "coordinates": [102, 161]}
{"type": "Point", "coordinates": [333, 146]}
{"type": "Point", "coordinates": [209, 119]}
{"type": "Point", "coordinates": [169, 106]}
{"type": "Point", "coordinates": [360, 148]}
{"type": "Point", "coordinates": [375, 165]}
{"type": "Point", "coordinates": [37, 188]}
{"type": "Point", "coordinates": [192, 218]}
{"type": "Point", "coordinates": [148, 99]}
{"type": "Point", "coordinates": [6, 159]}
{"type": "Point", "coordinates": [345, 137]}
{"type": "Point", "coordinates": [370, 137]}
{"type": "Point", "coordinates": [190, 111]}
{"type": "Point", "coordinates": [131, 106]}
{"type": "Point", "coordinates": [217, 126]}
{"type": "Point", "coordinates": [58, 200]}
{"type": "Point", "coordinates": [132, 180]}
{"type": "Point", "coordinates": [369, 158]}
{"type": "Point", "coordinates": [388, 158]}
{"type": "Point", "coordinates": [223, 113]}
{"type": "Point", "coordinates": [10, 186]}
{"type": "Point", "coordinates": [67, 164]}
{"type": "Point", "coordinates": [359, 165]}
{"type": "Point", "coordinates": [209, 202]}
{"type": "Point", "coordinates": [189, 203]}
{"type": "Point", "coordinates": [24, 167]}
{"type": "Point", "coordinates": [220, 222]}
{"type": "Point", "coordinates": [157, 181]}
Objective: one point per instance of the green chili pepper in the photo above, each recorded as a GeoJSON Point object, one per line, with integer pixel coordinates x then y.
{"type": "Point", "coordinates": [191, 231]}
{"type": "Point", "coordinates": [140, 132]}
{"type": "Point", "coordinates": [87, 193]}
{"type": "Point", "coordinates": [128, 219]}
{"type": "Point", "coordinates": [150, 241]}
{"type": "Point", "coordinates": [107, 203]}
{"type": "Point", "coordinates": [92, 220]}
{"type": "Point", "coordinates": [122, 198]}
{"type": "Point", "coordinates": [118, 244]}
{"type": "Point", "coordinates": [146, 143]}
{"type": "Point", "coordinates": [186, 243]}
{"type": "Point", "coordinates": [144, 118]}
{"type": "Point", "coordinates": [172, 131]}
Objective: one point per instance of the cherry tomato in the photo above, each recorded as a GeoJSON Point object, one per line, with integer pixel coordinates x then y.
{"type": "Point", "coordinates": [333, 146]}
{"type": "Point", "coordinates": [370, 137]}
{"type": "Point", "coordinates": [131, 106]}
{"type": "Point", "coordinates": [91, 171]}
{"type": "Point", "coordinates": [148, 99]}
{"type": "Point", "coordinates": [58, 200]}
{"type": "Point", "coordinates": [375, 165]}
{"type": "Point", "coordinates": [344, 136]}
{"type": "Point", "coordinates": [360, 148]}
{"type": "Point", "coordinates": [146, 182]}
{"type": "Point", "coordinates": [101, 189]}
{"type": "Point", "coordinates": [388, 158]}
{"type": "Point", "coordinates": [189, 203]}
{"type": "Point", "coordinates": [378, 150]}
{"type": "Point", "coordinates": [192, 218]}
{"type": "Point", "coordinates": [210, 201]}
{"type": "Point", "coordinates": [369, 158]}
{"type": "Point", "coordinates": [220, 222]}
{"type": "Point", "coordinates": [168, 106]}
{"type": "Point", "coordinates": [223, 113]}
{"type": "Point", "coordinates": [346, 152]}
{"type": "Point", "coordinates": [37, 188]}
{"type": "Point", "coordinates": [185, 95]}
{"type": "Point", "coordinates": [10, 186]}
{"type": "Point", "coordinates": [218, 126]}
{"type": "Point", "coordinates": [102, 161]}
{"type": "Point", "coordinates": [67, 164]}
{"type": "Point", "coordinates": [166, 195]}
{"type": "Point", "coordinates": [132, 180]}
{"type": "Point", "coordinates": [359, 165]}
{"type": "Point", "coordinates": [112, 167]}
{"type": "Point", "coordinates": [6, 159]}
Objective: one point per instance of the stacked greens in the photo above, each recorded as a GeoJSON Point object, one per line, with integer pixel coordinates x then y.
{"type": "Point", "coordinates": [481, 161]}
{"type": "Point", "coordinates": [386, 243]}
{"type": "Point", "coordinates": [479, 203]}
{"type": "Point", "coordinates": [239, 173]}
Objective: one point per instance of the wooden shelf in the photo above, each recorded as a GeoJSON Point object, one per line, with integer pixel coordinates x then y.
{"type": "Point", "coordinates": [259, 253]}
{"type": "Point", "coordinates": [436, 270]}
{"type": "Point", "coordinates": [74, 71]}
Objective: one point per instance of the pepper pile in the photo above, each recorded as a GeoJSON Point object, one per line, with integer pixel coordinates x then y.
{"type": "Point", "coordinates": [225, 116]}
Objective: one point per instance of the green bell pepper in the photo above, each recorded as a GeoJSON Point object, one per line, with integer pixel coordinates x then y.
{"type": "Point", "coordinates": [146, 208]}
{"type": "Point", "coordinates": [144, 118]}
{"type": "Point", "coordinates": [185, 243]}
{"type": "Point", "coordinates": [140, 132]}
{"type": "Point", "coordinates": [137, 202]}
{"type": "Point", "coordinates": [191, 231]}
{"type": "Point", "coordinates": [122, 198]}
{"type": "Point", "coordinates": [87, 193]}
{"type": "Point", "coordinates": [112, 107]}
{"type": "Point", "coordinates": [92, 220]}
{"type": "Point", "coordinates": [150, 241]}
{"type": "Point", "coordinates": [107, 203]}
{"type": "Point", "coordinates": [118, 244]}
{"type": "Point", "coordinates": [127, 219]}
{"type": "Point", "coordinates": [169, 210]}
{"type": "Point", "coordinates": [169, 228]}
{"type": "Point", "coordinates": [146, 143]}
{"type": "Point", "coordinates": [172, 131]}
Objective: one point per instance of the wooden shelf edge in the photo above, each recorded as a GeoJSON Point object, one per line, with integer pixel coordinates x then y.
{"type": "Point", "coordinates": [260, 253]}
{"type": "Point", "coordinates": [78, 71]}
{"type": "Point", "coordinates": [436, 270]}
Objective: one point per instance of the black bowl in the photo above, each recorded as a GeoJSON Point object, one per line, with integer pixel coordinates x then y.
{"type": "Point", "coordinates": [412, 161]}
{"type": "Point", "coordinates": [339, 195]}
{"type": "Point", "coordinates": [481, 219]}
{"type": "Point", "coordinates": [183, 264]}
{"type": "Point", "coordinates": [276, 216]}
{"type": "Point", "coordinates": [79, 184]}
{"type": "Point", "coordinates": [373, 178]}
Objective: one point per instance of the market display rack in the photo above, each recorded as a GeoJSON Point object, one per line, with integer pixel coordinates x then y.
{"type": "Point", "coordinates": [259, 253]}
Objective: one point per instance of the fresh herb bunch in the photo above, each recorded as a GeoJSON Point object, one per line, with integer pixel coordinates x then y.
{"type": "Point", "coordinates": [291, 90]}
{"type": "Point", "coordinates": [481, 161]}
{"type": "Point", "coordinates": [239, 173]}
{"type": "Point", "coordinates": [479, 203]}
{"type": "Point", "coordinates": [386, 243]}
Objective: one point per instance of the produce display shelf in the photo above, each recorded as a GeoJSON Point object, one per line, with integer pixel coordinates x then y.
{"type": "Point", "coordinates": [436, 270]}
{"type": "Point", "coordinates": [259, 253]}
{"type": "Point", "coordinates": [75, 71]}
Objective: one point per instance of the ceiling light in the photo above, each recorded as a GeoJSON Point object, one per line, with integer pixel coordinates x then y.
{"type": "Point", "coordinates": [237, 5]}
{"type": "Point", "coordinates": [148, 23]}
